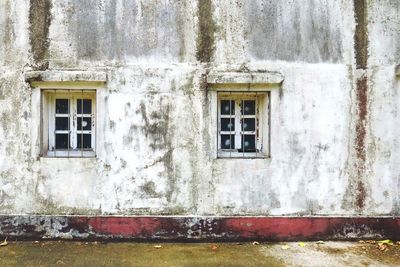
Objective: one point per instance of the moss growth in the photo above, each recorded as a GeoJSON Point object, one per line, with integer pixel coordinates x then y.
{"type": "Point", "coordinates": [207, 28]}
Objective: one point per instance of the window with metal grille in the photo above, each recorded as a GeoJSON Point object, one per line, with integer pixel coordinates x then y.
{"type": "Point", "coordinates": [68, 123]}
{"type": "Point", "coordinates": [243, 125]}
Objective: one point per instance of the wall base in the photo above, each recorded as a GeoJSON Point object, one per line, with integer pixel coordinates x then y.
{"type": "Point", "coordinates": [198, 228]}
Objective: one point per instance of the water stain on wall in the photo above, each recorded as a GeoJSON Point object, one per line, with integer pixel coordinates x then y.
{"type": "Point", "coordinates": [40, 19]}
{"type": "Point", "coordinates": [295, 30]}
{"type": "Point", "coordinates": [207, 28]}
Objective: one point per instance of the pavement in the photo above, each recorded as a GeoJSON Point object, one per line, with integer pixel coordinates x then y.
{"type": "Point", "coordinates": [73, 253]}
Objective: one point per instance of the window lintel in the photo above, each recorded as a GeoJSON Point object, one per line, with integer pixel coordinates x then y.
{"type": "Point", "coordinates": [66, 79]}
{"type": "Point", "coordinates": [257, 80]}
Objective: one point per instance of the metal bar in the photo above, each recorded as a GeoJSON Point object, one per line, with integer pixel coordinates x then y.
{"type": "Point", "coordinates": [55, 118]}
{"type": "Point", "coordinates": [82, 123]}
{"type": "Point", "coordinates": [230, 113]}
{"type": "Point", "coordinates": [241, 126]}
{"type": "Point", "coordinates": [256, 121]}
{"type": "Point", "coordinates": [69, 120]}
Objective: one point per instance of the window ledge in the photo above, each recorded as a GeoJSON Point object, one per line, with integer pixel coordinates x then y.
{"type": "Point", "coordinates": [217, 77]}
{"type": "Point", "coordinates": [70, 154]}
{"type": "Point", "coordinates": [60, 79]}
{"type": "Point", "coordinates": [240, 155]}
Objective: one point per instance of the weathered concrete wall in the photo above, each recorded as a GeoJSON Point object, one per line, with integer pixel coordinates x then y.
{"type": "Point", "coordinates": [334, 121]}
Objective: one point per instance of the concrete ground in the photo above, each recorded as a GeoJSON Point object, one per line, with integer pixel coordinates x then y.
{"type": "Point", "coordinates": [61, 253]}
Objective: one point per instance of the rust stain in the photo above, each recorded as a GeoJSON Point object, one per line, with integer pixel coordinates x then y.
{"type": "Point", "coordinates": [362, 105]}
{"type": "Point", "coordinates": [361, 57]}
{"type": "Point", "coordinates": [361, 194]}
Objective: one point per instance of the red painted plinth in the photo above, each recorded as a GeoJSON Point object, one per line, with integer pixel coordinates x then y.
{"type": "Point", "coordinates": [200, 228]}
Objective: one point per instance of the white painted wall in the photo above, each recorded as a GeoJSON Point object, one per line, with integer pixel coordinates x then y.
{"type": "Point", "coordinates": [156, 140]}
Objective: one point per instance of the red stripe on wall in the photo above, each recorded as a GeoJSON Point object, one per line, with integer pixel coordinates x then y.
{"type": "Point", "coordinates": [199, 228]}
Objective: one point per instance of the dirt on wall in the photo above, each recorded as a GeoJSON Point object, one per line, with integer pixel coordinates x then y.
{"type": "Point", "coordinates": [39, 23]}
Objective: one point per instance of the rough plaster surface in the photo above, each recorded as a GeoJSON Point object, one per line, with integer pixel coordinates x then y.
{"type": "Point", "coordinates": [156, 144]}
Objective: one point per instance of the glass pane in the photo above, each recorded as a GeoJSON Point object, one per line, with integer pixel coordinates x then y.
{"type": "Point", "coordinates": [86, 104]}
{"type": "Point", "coordinates": [62, 106]}
{"type": "Point", "coordinates": [249, 107]}
{"type": "Point", "coordinates": [62, 123]}
{"type": "Point", "coordinates": [61, 141]}
{"type": "Point", "coordinates": [86, 139]}
{"type": "Point", "coordinates": [86, 125]}
{"type": "Point", "coordinates": [227, 107]}
{"type": "Point", "coordinates": [249, 143]}
{"type": "Point", "coordinates": [248, 124]}
{"type": "Point", "coordinates": [227, 141]}
{"type": "Point", "coordinates": [227, 124]}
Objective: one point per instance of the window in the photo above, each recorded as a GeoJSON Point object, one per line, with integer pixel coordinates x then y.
{"type": "Point", "coordinates": [68, 123]}
{"type": "Point", "coordinates": [243, 125]}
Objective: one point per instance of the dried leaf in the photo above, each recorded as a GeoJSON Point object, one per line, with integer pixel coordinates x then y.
{"type": "Point", "coordinates": [301, 244]}
{"type": "Point", "coordinates": [157, 246]}
{"type": "Point", "coordinates": [370, 241]}
{"type": "Point", "coordinates": [255, 243]}
{"type": "Point", "coordinates": [285, 247]}
{"type": "Point", "coordinates": [383, 247]}
{"type": "Point", "coordinates": [214, 247]}
{"type": "Point", "coordinates": [361, 241]}
{"type": "Point", "coordinates": [4, 243]}
{"type": "Point", "coordinates": [320, 242]}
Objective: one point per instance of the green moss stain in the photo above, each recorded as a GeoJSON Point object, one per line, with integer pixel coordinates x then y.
{"type": "Point", "coordinates": [361, 33]}
{"type": "Point", "coordinates": [39, 20]}
{"type": "Point", "coordinates": [207, 28]}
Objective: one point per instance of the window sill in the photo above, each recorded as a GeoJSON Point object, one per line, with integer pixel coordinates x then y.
{"type": "Point", "coordinates": [241, 155]}
{"type": "Point", "coordinates": [71, 154]}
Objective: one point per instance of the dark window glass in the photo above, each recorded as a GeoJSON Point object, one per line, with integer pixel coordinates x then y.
{"type": "Point", "coordinates": [249, 107]}
{"type": "Point", "coordinates": [86, 125]}
{"type": "Point", "coordinates": [61, 141]}
{"type": "Point", "coordinates": [227, 107]}
{"type": "Point", "coordinates": [62, 123]}
{"type": "Point", "coordinates": [86, 104]}
{"type": "Point", "coordinates": [248, 143]}
{"type": "Point", "coordinates": [62, 106]}
{"type": "Point", "coordinates": [227, 124]}
{"type": "Point", "coordinates": [227, 141]}
{"type": "Point", "coordinates": [248, 124]}
{"type": "Point", "coordinates": [86, 139]}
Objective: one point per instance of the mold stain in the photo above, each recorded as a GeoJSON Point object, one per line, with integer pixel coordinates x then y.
{"type": "Point", "coordinates": [149, 188]}
{"type": "Point", "coordinates": [39, 20]}
{"type": "Point", "coordinates": [207, 28]}
{"type": "Point", "coordinates": [157, 129]}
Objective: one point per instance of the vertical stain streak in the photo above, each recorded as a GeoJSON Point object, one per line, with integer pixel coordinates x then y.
{"type": "Point", "coordinates": [207, 28]}
{"type": "Point", "coordinates": [39, 20]}
{"type": "Point", "coordinates": [361, 34]}
{"type": "Point", "coordinates": [361, 57]}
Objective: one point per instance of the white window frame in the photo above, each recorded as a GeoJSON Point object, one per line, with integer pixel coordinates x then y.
{"type": "Point", "coordinates": [262, 131]}
{"type": "Point", "coordinates": [49, 97]}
